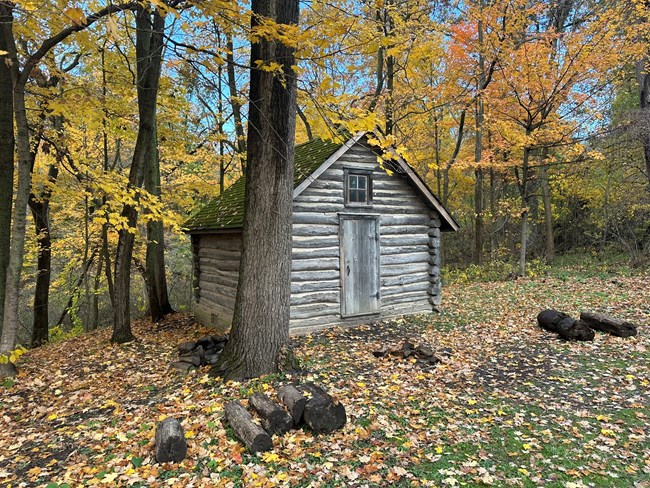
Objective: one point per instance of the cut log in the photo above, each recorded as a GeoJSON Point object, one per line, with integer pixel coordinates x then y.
{"type": "Point", "coordinates": [564, 326]}
{"type": "Point", "coordinates": [294, 401]}
{"type": "Point", "coordinates": [171, 445]}
{"type": "Point", "coordinates": [603, 323]}
{"type": "Point", "coordinates": [254, 437]}
{"type": "Point", "coordinates": [275, 419]}
{"type": "Point", "coordinates": [549, 319]}
{"type": "Point", "coordinates": [322, 414]}
{"type": "Point", "coordinates": [575, 330]}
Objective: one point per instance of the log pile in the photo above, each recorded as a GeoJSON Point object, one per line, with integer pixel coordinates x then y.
{"type": "Point", "coordinates": [203, 352]}
{"type": "Point", "coordinates": [307, 404]}
{"type": "Point", "coordinates": [583, 329]}
{"type": "Point", "coordinates": [423, 353]}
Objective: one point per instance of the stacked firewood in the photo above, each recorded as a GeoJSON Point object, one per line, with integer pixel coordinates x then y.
{"type": "Point", "coordinates": [583, 329]}
{"type": "Point", "coordinates": [306, 404]}
{"type": "Point", "coordinates": [423, 354]}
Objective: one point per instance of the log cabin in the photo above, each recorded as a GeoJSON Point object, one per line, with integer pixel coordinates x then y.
{"type": "Point", "coordinates": [366, 234]}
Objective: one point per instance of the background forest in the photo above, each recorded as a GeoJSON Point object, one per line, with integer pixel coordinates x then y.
{"type": "Point", "coordinates": [529, 120]}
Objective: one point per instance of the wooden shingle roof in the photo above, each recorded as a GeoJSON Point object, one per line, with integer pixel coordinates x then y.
{"type": "Point", "coordinates": [226, 211]}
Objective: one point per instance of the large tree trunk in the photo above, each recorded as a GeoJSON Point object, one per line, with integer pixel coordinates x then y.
{"type": "Point", "coordinates": [159, 305]}
{"type": "Point", "coordinates": [261, 319]}
{"type": "Point", "coordinates": [6, 157]}
{"type": "Point", "coordinates": [16, 253]}
{"type": "Point", "coordinates": [149, 44]}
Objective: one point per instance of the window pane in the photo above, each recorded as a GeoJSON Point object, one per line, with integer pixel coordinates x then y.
{"type": "Point", "coordinates": [357, 188]}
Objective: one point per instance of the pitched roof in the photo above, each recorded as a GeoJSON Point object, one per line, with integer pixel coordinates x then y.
{"type": "Point", "coordinates": [226, 211]}
{"type": "Point", "coordinates": [312, 158]}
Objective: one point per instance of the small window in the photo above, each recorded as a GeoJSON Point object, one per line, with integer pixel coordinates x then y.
{"type": "Point", "coordinates": [358, 188]}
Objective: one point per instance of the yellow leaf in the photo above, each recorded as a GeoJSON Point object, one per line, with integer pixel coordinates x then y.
{"type": "Point", "coordinates": [109, 478]}
{"type": "Point", "coordinates": [523, 471]}
{"type": "Point", "coordinates": [76, 15]}
{"type": "Point", "coordinates": [52, 416]}
{"type": "Point", "coordinates": [270, 457]}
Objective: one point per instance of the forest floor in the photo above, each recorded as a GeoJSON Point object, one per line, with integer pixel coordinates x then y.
{"type": "Point", "coordinates": [511, 406]}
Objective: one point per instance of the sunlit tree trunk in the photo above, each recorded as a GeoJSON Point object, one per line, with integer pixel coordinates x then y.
{"type": "Point", "coordinates": [261, 319]}
{"type": "Point", "coordinates": [149, 44]}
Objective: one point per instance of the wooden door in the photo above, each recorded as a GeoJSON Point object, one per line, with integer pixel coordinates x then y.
{"type": "Point", "coordinates": [360, 281]}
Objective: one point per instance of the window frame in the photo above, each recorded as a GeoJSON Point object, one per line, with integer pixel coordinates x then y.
{"type": "Point", "coordinates": [347, 172]}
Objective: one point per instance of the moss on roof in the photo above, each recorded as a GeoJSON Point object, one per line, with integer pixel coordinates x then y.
{"type": "Point", "coordinates": [227, 210]}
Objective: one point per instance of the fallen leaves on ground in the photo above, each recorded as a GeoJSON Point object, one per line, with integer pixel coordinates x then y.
{"type": "Point", "coordinates": [509, 405]}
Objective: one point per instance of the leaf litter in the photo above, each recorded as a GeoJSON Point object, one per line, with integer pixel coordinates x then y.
{"type": "Point", "coordinates": [508, 405]}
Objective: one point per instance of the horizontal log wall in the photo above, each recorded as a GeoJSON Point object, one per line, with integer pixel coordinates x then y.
{"type": "Point", "coordinates": [407, 275]}
{"type": "Point", "coordinates": [218, 258]}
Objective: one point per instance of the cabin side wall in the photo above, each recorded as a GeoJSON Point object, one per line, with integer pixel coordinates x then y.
{"type": "Point", "coordinates": [216, 271]}
{"type": "Point", "coordinates": [409, 246]}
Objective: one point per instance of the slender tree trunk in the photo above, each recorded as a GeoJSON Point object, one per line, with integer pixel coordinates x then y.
{"type": "Point", "coordinates": [149, 44]}
{"type": "Point", "coordinates": [159, 305]}
{"type": "Point", "coordinates": [234, 98]}
{"type": "Point", "coordinates": [40, 207]}
{"type": "Point", "coordinates": [478, 154]}
{"type": "Point", "coordinates": [643, 78]}
{"type": "Point", "coordinates": [494, 238]}
{"type": "Point", "coordinates": [93, 323]}
{"type": "Point", "coordinates": [390, 73]}
{"type": "Point", "coordinates": [6, 156]}
{"type": "Point", "coordinates": [261, 320]}
{"type": "Point", "coordinates": [379, 70]}
{"type": "Point", "coordinates": [305, 122]}
{"type": "Point", "coordinates": [548, 213]}
{"type": "Point", "coordinates": [75, 289]}
{"type": "Point", "coordinates": [524, 211]}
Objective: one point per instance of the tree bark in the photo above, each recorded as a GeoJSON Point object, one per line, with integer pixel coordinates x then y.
{"type": "Point", "coordinates": [523, 188]}
{"type": "Point", "coordinates": [6, 155]}
{"type": "Point", "coordinates": [261, 318]}
{"type": "Point", "coordinates": [275, 419]}
{"type": "Point", "coordinates": [159, 305]}
{"type": "Point", "coordinates": [40, 207]}
{"type": "Point", "coordinates": [149, 44]}
{"type": "Point", "coordinates": [252, 435]}
{"type": "Point", "coordinates": [603, 323]}
{"type": "Point", "coordinates": [643, 78]}
{"type": "Point", "coordinates": [17, 249]}
{"type": "Point", "coordinates": [478, 152]}
{"type": "Point", "coordinates": [548, 213]}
